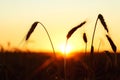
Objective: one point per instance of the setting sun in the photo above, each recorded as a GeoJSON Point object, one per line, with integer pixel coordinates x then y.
{"type": "Point", "coordinates": [67, 50]}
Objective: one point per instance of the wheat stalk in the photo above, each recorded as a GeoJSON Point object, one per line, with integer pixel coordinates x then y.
{"type": "Point", "coordinates": [92, 47]}
{"type": "Point", "coordinates": [74, 29]}
{"type": "Point", "coordinates": [105, 27]}
{"type": "Point", "coordinates": [33, 28]}
{"type": "Point", "coordinates": [68, 36]}
{"type": "Point", "coordinates": [65, 61]}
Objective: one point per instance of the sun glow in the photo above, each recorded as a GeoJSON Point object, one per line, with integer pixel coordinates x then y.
{"type": "Point", "coordinates": [66, 50]}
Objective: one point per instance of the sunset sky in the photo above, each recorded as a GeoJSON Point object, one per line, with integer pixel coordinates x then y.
{"type": "Point", "coordinates": [58, 16]}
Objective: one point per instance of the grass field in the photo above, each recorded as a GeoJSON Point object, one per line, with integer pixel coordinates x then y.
{"type": "Point", "coordinates": [41, 66]}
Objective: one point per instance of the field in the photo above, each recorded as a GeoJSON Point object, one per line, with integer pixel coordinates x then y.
{"type": "Point", "coordinates": [41, 66]}
{"type": "Point", "coordinates": [19, 65]}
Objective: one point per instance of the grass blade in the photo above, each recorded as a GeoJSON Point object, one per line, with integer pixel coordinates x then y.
{"type": "Point", "coordinates": [113, 46]}
{"type": "Point", "coordinates": [103, 22]}
{"type": "Point", "coordinates": [74, 29]}
{"type": "Point", "coordinates": [31, 30]}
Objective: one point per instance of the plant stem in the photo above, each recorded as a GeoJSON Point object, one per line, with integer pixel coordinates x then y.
{"type": "Point", "coordinates": [85, 49]}
{"type": "Point", "coordinates": [92, 47]}
{"type": "Point", "coordinates": [50, 40]}
{"type": "Point", "coordinates": [65, 61]}
{"type": "Point", "coordinates": [93, 36]}
{"type": "Point", "coordinates": [55, 58]}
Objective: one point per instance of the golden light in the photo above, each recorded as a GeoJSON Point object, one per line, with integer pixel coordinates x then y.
{"type": "Point", "coordinates": [66, 50]}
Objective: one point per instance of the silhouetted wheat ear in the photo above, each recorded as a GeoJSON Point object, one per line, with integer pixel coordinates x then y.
{"type": "Point", "coordinates": [85, 37]}
{"type": "Point", "coordinates": [114, 48]}
{"type": "Point", "coordinates": [31, 30]}
{"type": "Point", "coordinates": [103, 22]}
{"type": "Point", "coordinates": [74, 29]}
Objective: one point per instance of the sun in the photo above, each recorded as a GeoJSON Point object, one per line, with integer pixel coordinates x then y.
{"type": "Point", "coordinates": [66, 50]}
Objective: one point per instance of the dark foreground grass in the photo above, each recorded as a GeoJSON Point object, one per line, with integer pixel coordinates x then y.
{"type": "Point", "coordinates": [29, 66]}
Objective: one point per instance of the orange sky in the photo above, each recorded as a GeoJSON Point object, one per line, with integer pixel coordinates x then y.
{"type": "Point", "coordinates": [17, 16]}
